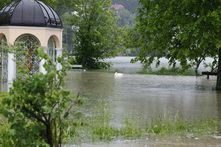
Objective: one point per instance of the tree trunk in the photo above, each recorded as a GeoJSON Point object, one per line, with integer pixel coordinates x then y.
{"type": "Point", "coordinates": [49, 135]}
{"type": "Point", "coordinates": [218, 82]}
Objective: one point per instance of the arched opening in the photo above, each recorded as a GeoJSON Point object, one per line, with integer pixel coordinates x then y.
{"type": "Point", "coordinates": [29, 57]}
{"type": "Point", "coordinates": [52, 48]}
{"type": "Point", "coordinates": [3, 39]}
{"type": "Point", "coordinates": [4, 56]}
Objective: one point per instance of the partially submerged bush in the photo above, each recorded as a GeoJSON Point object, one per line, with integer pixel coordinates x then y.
{"type": "Point", "coordinates": [170, 71]}
{"type": "Point", "coordinates": [39, 107]}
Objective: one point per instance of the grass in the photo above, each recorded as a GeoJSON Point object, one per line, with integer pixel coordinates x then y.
{"type": "Point", "coordinates": [173, 124]}
{"type": "Point", "coordinates": [98, 127]}
{"type": "Point", "coordinates": [170, 71]}
{"type": "Point", "coordinates": [132, 129]}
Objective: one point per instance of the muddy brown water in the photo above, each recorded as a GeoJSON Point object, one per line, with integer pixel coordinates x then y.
{"type": "Point", "coordinates": [150, 96]}
{"type": "Point", "coordinates": [177, 143]}
{"type": "Point", "coordinates": [147, 96]}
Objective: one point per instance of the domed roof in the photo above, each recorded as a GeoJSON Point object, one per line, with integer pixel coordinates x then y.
{"type": "Point", "coordinates": [29, 13]}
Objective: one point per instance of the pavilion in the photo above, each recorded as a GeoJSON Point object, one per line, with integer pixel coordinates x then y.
{"type": "Point", "coordinates": [33, 23]}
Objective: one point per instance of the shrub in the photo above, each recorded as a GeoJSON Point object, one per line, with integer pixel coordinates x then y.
{"type": "Point", "coordinates": [39, 107]}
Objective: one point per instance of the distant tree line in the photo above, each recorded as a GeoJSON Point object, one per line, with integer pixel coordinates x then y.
{"type": "Point", "coordinates": [130, 5]}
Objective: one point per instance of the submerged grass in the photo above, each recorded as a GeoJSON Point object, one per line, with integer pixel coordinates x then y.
{"type": "Point", "coordinates": [99, 127]}
{"type": "Point", "coordinates": [95, 126]}
{"type": "Point", "coordinates": [131, 129]}
{"type": "Point", "coordinates": [173, 124]}
{"type": "Point", "coordinates": [170, 71]}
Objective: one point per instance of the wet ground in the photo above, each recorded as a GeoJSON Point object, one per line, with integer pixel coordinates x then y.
{"type": "Point", "coordinates": [165, 143]}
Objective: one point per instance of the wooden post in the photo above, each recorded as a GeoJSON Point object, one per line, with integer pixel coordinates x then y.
{"type": "Point", "coordinates": [207, 75]}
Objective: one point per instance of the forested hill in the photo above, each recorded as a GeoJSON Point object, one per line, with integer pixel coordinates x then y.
{"type": "Point", "coordinates": [130, 5]}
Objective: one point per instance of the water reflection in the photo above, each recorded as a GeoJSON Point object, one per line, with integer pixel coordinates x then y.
{"type": "Point", "coordinates": [145, 95]}
{"type": "Point", "coordinates": [149, 95]}
{"type": "Point", "coordinates": [153, 95]}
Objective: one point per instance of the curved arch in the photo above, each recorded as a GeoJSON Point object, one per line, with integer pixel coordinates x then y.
{"type": "Point", "coordinates": [57, 41]}
{"type": "Point", "coordinates": [32, 60]}
{"type": "Point", "coordinates": [4, 55]}
{"type": "Point", "coordinates": [3, 37]}
{"type": "Point", "coordinates": [52, 48]}
{"type": "Point", "coordinates": [28, 39]}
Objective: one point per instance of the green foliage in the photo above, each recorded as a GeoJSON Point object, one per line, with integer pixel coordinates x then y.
{"type": "Point", "coordinates": [170, 71]}
{"type": "Point", "coordinates": [4, 3]}
{"type": "Point", "coordinates": [39, 108]}
{"type": "Point", "coordinates": [101, 128]}
{"type": "Point", "coordinates": [6, 134]}
{"type": "Point", "coordinates": [213, 66]}
{"type": "Point", "coordinates": [173, 124]}
{"type": "Point", "coordinates": [125, 18]}
{"type": "Point", "coordinates": [67, 32]}
{"type": "Point", "coordinates": [99, 123]}
{"type": "Point", "coordinates": [5, 131]}
{"type": "Point", "coordinates": [131, 129]}
{"type": "Point", "coordinates": [97, 126]}
{"type": "Point", "coordinates": [96, 34]}
{"type": "Point", "coordinates": [72, 60]}
{"type": "Point", "coordinates": [179, 30]}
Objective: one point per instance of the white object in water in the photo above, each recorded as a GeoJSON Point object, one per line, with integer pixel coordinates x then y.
{"type": "Point", "coordinates": [118, 75]}
{"type": "Point", "coordinates": [217, 137]}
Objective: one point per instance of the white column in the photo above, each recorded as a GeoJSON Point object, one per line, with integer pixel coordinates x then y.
{"type": "Point", "coordinates": [11, 68]}
{"type": "Point", "coordinates": [41, 67]}
{"type": "Point", "coordinates": [58, 54]}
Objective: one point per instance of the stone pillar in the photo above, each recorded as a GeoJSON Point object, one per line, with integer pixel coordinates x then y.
{"type": "Point", "coordinates": [58, 54]}
{"type": "Point", "coordinates": [42, 69]}
{"type": "Point", "coordinates": [11, 68]}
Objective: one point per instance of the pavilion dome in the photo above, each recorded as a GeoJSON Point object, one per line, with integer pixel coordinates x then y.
{"type": "Point", "coordinates": [29, 13]}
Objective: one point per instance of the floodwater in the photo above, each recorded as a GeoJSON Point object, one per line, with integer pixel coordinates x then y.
{"type": "Point", "coordinates": [148, 96]}
{"type": "Point", "coordinates": [177, 143]}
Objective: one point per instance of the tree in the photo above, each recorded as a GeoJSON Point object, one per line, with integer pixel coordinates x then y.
{"type": "Point", "coordinates": [185, 30]}
{"type": "Point", "coordinates": [4, 3]}
{"type": "Point", "coordinates": [96, 35]}
{"type": "Point", "coordinates": [67, 32]}
{"type": "Point", "coordinates": [125, 18]}
{"type": "Point", "coordinates": [38, 108]}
